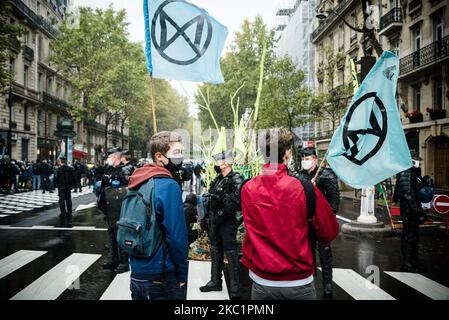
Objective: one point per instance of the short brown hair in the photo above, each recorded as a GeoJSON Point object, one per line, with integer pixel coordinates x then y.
{"type": "Point", "coordinates": [284, 139]}
{"type": "Point", "coordinates": [161, 142]}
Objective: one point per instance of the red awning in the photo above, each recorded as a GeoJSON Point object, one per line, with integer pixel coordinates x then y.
{"type": "Point", "coordinates": [78, 154]}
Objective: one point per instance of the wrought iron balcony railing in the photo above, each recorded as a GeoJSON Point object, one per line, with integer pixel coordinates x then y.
{"type": "Point", "coordinates": [28, 53]}
{"type": "Point", "coordinates": [433, 52]}
{"type": "Point", "coordinates": [38, 20]}
{"type": "Point", "coordinates": [54, 101]}
{"type": "Point", "coordinates": [394, 15]}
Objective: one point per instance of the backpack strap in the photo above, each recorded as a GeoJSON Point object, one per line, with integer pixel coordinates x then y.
{"type": "Point", "coordinates": [151, 208]}
{"type": "Point", "coordinates": [309, 190]}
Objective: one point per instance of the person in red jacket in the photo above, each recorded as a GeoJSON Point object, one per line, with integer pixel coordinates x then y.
{"type": "Point", "coordinates": [276, 248]}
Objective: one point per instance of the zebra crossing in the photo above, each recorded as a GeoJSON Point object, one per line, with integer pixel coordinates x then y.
{"type": "Point", "coordinates": [12, 205]}
{"type": "Point", "coordinates": [66, 274]}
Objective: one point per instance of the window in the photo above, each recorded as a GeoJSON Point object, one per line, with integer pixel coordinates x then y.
{"type": "Point", "coordinates": [438, 94]}
{"type": "Point", "coordinates": [438, 27]}
{"type": "Point", "coordinates": [25, 76]}
{"type": "Point", "coordinates": [58, 89]}
{"type": "Point", "coordinates": [395, 47]}
{"type": "Point", "coordinates": [49, 85]}
{"type": "Point", "coordinates": [341, 37]}
{"type": "Point", "coordinates": [417, 97]}
{"type": "Point", "coordinates": [416, 38]}
{"type": "Point", "coordinates": [331, 41]}
{"type": "Point", "coordinates": [25, 114]}
{"type": "Point", "coordinates": [26, 37]}
{"type": "Point", "coordinates": [353, 33]}
{"type": "Point", "coordinates": [12, 67]}
{"type": "Point", "coordinates": [40, 82]}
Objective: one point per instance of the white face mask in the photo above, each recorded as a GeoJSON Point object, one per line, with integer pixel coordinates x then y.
{"type": "Point", "coordinates": [306, 164]}
{"type": "Point", "coordinates": [415, 163]}
{"type": "Point", "coordinates": [109, 162]}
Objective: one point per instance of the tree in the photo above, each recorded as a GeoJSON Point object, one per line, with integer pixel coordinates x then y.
{"type": "Point", "coordinates": [331, 103]}
{"type": "Point", "coordinates": [285, 101]}
{"type": "Point", "coordinates": [86, 55]}
{"type": "Point", "coordinates": [240, 65]}
{"type": "Point", "coordinates": [8, 38]}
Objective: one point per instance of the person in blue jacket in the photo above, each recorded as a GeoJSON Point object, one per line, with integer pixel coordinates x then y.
{"type": "Point", "coordinates": [150, 278]}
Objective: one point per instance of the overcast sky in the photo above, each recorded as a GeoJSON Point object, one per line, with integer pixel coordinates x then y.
{"type": "Point", "coordinates": [231, 13]}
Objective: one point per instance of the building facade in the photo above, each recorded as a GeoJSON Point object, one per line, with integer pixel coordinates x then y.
{"type": "Point", "coordinates": [40, 97]}
{"type": "Point", "coordinates": [417, 31]}
{"type": "Point", "coordinates": [294, 27]}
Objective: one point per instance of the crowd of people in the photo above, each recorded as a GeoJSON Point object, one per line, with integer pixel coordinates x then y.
{"type": "Point", "coordinates": [19, 176]}
{"type": "Point", "coordinates": [288, 215]}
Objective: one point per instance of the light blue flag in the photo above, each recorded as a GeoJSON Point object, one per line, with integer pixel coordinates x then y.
{"type": "Point", "coordinates": [369, 146]}
{"type": "Point", "coordinates": [183, 42]}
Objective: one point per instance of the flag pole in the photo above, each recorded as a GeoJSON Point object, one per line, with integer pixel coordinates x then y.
{"type": "Point", "coordinates": [153, 104]}
{"type": "Point", "coordinates": [321, 165]}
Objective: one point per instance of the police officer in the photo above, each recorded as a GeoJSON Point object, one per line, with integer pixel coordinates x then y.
{"type": "Point", "coordinates": [113, 190]}
{"type": "Point", "coordinates": [327, 182]}
{"type": "Point", "coordinates": [412, 214]}
{"type": "Point", "coordinates": [65, 181]}
{"type": "Point", "coordinates": [224, 203]}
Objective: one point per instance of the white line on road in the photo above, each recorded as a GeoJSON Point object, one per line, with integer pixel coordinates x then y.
{"type": "Point", "coordinates": [426, 286]}
{"type": "Point", "coordinates": [343, 219]}
{"type": "Point", "coordinates": [80, 228]}
{"type": "Point", "coordinates": [17, 260]}
{"type": "Point", "coordinates": [86, 206]}
{"type": "Point", "coordinates": [357, 286]}
{"type": "Point", "coordinates": [50, 285]}
{"type": "Point", "coordinates": [119, 289]}
{"type": "Point", "coordinates": [199, 275]}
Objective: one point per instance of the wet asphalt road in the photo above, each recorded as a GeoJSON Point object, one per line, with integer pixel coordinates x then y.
{"type": "Point", "coordinates": [350, 253]}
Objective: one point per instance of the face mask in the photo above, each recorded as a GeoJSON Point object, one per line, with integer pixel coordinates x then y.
{"type": "Point", "coordinates": [217, 169]}
{"type": "Point", "coordinates": [415, 163]}
{"type": "Point", "coordinates": [174, 164]}
{"type": "Point", "coordinates": [109, 162]}
{"type": "Point", "coordinates": [306, 164]}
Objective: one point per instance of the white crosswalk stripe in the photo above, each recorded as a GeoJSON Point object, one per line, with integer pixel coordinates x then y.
{"type": "Point", "coordinates": [54, 282]}
{"type": "Point", "coordinates": [50, 285]}
{"type": "Point", "coordinates": [17, 260]}
{"type": "Point", "coordinates": [426, 286]}
{"type": "Point", "coordinates": [199, 275]}
{"type": "Point", "coordinates": [119, 289]}
{"type": "Point", "coordinates": [357, 286]}
{"type": "Point", "coordinates": [27, 201]}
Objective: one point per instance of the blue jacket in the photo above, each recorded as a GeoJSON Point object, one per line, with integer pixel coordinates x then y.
{"type": "Point", "coordinates": [170, 213]}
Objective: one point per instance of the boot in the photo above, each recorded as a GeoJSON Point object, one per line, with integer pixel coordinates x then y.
{"type": "Point", "coordinates": [215, 284]}
{"type": "Point", "coordinates": [325, 253]}
{"type": "Point", "coordinates": [124, 265]}
{"type": "Point", "coordinates": [234, 274]}
{"type": "Point", "coordinates": [112, 258]}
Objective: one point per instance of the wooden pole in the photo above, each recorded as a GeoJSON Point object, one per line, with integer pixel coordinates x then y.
{"type": "Point", "coordinates": [153, 104]}
{"type": "Point", "coordinates": [321, 165]}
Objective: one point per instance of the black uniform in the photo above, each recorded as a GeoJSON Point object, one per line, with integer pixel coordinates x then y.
{"type": "Point", "coordinates": [65, 181]}
{"type": "Point", "coordinates": [327, 182]}
{"type": "Point", "coordinates": [412, 214]}
{"type": "Point", "coordinates": [222, 224]}
{"type": "Point", "coordinates": [111, 204]}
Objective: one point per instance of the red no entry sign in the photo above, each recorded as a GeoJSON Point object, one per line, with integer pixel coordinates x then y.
{"type": "Point", "coordinates": [441, 204]}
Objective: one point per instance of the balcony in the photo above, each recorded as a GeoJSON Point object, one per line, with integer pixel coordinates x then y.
{"type": "Point", "coordinates": [15, 45]}
{"type": "Point", "coordinates": [34, 19]}
{"type": "Point", "coordinates": [434, 52]}
{"type": "Point", "coordinates": [331, 18]}
{"type": "Point", "coordinates": [28, 53]}
{"type": "Point", "coordinates": [97, 126]}
{"type": "Point", "coordinates": [53, 101]}
{"type": "Point", "coordinates": [391, 22]}
{"type": "Point", "coordinates": [414, 6]}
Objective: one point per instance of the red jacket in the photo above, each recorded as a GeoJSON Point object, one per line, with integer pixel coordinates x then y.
{"type": "Point", "coordinates": [276, 246]}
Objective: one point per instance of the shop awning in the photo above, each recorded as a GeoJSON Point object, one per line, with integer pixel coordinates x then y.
{"type": "Point", "coordinates": [78, 154]}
